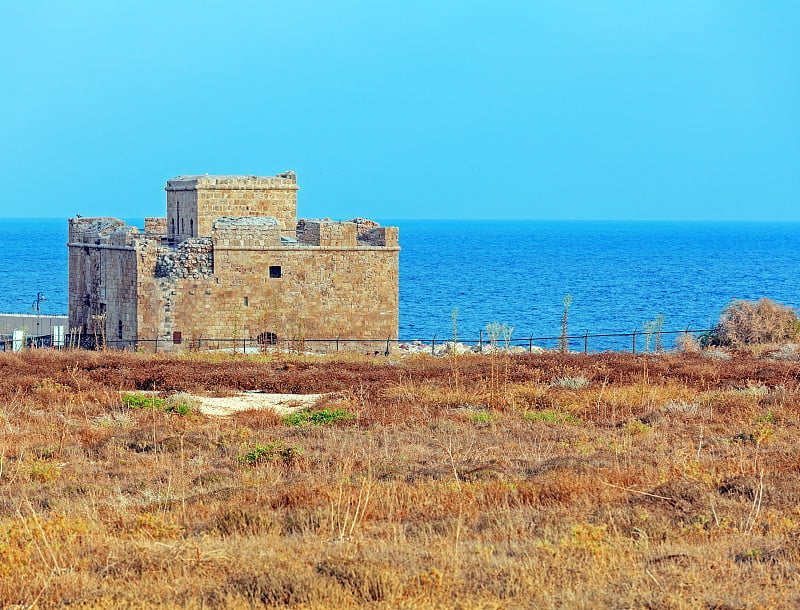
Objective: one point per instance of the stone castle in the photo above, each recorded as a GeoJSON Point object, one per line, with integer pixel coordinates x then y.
{"type": "Point", "coordinates": [231, 261]}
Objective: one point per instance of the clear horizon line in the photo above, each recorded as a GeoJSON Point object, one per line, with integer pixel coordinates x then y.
{"type": "Point", "coordinates": [483, 219]}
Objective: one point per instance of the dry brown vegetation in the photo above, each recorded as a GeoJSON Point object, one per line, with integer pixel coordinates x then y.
{"type": "Point", "coordinates": [552, 480]}
{"type": "Point", "coordinates": [755, 323]}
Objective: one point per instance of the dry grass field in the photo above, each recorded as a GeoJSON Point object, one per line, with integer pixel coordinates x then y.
{"type": "Point", "coordinates": [542, 481]}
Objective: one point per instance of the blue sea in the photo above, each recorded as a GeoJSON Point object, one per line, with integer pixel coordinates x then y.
{"type": "Point", "coordinates": [620, 274]}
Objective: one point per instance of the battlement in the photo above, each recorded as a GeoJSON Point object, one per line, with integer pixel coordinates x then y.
{"type": "Point", "coordinates": [285, 181]}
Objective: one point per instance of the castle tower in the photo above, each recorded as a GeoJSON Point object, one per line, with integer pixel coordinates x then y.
{"type": "Point", "coordinates": [193, 202]}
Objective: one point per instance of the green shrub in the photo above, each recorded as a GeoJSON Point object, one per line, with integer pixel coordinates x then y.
{"type": "Point", "coordinates": [482, 417]}
{"type": "Point", "coordinates": [553, 417]}
{"type": "Point", "coordinates": [180, 408]}
{"type": "Point", "coordinates": [322, 417]}
{"type": "Point", "coordinates": [275, 450]}
{"type": "Point", "coordinates": [142, 401]}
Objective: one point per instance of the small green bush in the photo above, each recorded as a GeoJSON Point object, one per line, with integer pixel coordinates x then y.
{"type": "Point", "coordinates": [142, 401]}
{"type": "Point", "coordinates": [275, 450]}
{"type": "Point", "coordinates": [322, 417]}
{"type": "Point", "coordinates": [180, 408]}
{"type": "Point", "coordinates": [553, 417]}
{"type": "Point", "coordinates": [482, 417]}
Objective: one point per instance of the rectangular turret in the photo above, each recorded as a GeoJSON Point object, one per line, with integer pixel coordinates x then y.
{"type": "Point", "coordinates": [194, 202]}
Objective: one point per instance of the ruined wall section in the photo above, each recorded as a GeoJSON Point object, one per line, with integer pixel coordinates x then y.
{"type": "Point", "coordinates": [380, 236]}
{"type": "Point", "coordinates": [192, 258]}
{"type": "Point", "coordinates": [103, 278]}
{"type": "Point", "coordinates": [163, 271]}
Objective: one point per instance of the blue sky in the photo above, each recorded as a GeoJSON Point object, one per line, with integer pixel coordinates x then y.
{"type": "Point", "coordinates": [678, 110]}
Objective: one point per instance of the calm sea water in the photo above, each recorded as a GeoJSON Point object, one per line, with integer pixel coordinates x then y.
{"type": "Point", "coordinates": [620, 274]}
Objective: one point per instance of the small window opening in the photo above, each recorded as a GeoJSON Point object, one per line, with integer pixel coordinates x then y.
{"type": "Point", "coordinates": [246, 302]}
{"type": "Point", "coordinates": [173, 226]}
{"type": "Point", "coordinates": [177, 339]}
{"type": "Point", "coordinates": [183, 225]}
{"type": "Point", "coordinates": [119, 330]}
{"type": "Point", "coordinates": [191, 227]}
{"type": "Point", "coordinates": [274, 271]}
{"type": "Point", "coordinates": [267, 338]}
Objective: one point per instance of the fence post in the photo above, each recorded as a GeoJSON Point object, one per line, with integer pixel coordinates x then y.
{"type": "Point", "coordinates": [530, 345]}
{"type": "Point", "coordinates": [337, 344]}
{"type": "Point", "coordinates": [634, 341]}
{"type": "Point", "coordinates": [480, 340]}
{"type": "Point", "coordinates": [586, 343]}
{"type": "Point", "coordinates": [244, 346]}
{"type": "Point", "coordinates": [155, 350]}
{"type": "Point", "coordinates": [433, 345]}
{"type": "Point", "coordinates": [387, 346]}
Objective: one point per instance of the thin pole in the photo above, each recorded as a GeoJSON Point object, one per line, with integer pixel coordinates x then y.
{"type": "Point", "coordinates": [586, 342]}
{"type": "Point", "coordinates": [433, 345]}
{"type": "Point", "coordinates": [634, 340]}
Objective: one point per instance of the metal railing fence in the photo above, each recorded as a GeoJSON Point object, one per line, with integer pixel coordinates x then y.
{"type": "Point", "coordinates": [636, 341]}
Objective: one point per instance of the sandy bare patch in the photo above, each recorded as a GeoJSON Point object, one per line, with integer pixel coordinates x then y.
{"type": "Point", "coordinates": [221, 407]}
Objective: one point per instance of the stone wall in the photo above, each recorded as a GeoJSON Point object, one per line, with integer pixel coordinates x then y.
{"type": "Point", "coordinates": [321, 293]}
{"type": "Point", "coordinates": [103, 278]}
{"type": "Point", "coordinates": [156, 225]}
